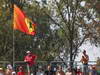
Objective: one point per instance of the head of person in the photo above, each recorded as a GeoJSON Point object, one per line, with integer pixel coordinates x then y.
{"type": "Point", "coordinates": [78, 69]}
{"type": "Point", "coordinates": [28, 53]}
{"type": "Point", "coordinates": [94, 67]}
{"type": "Point", "coordinates": [59, 68]}
{"type": "Point", "coordinates": [83, 57]}
{"type": "Point", "coordinates": [1, 69]}
{"type": "Point", "coordinates": [40, 68]}
{"type": "Point", "coordinates": [49, 67]}
{"type": "Point", "coordinates": [13, 73]}
{"type": "Point", "coordinates": [69, 69]}
{"type": "Point", "coordinates": [9, 66]}
{"type": "Point", "coordinates": [20, 68]}
{"type": "Point", "coordinates": [90, 67]}
{"type": "Point", "coordinates": [84, 52]}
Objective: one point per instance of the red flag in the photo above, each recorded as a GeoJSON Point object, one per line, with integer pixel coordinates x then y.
{"type": "Point", "coordinates": [23, 23]}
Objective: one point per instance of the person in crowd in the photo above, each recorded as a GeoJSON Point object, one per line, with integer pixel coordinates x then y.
{"type": "Point", "coordinates": [21, 71]}
{"type": "Point", "coordinates": [9, 69]}
{"type": "Point", "coordinates": [13, 73]}
{"type": "Point", "coordinates": [84, 60]}
{"type": "Point", "coordinates": [2, 71]}
{"type": "Point", "coordinates": [40, 71]}
{"type": "Point", "coordinates": [49, 71]}
{"type": "Point", "coordinates": [79, 72]}
{"type": "Point", "coordinates": [69, 72]}
{"type": "Point", "coordinates": [92, 70]}
{"type": "Point", "coordinates": [30, 59]}
{"type": "Point", "coordinates": [74, 71]}
{"type": "Point", "coordinates": [60, 71]}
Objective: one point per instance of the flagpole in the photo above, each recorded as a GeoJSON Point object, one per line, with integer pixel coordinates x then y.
{"type": "Point", "coordinates": [13, 51]}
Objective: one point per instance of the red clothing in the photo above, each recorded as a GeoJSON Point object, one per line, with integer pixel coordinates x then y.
{"type": "Point", "coordinates": [20, 73]}
{"type": "Point", "coordinates": [79, 73]}
{"type": "Point", "coordinates": [30, 59]}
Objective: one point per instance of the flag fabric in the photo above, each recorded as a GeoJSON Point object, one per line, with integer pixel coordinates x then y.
{"type": "Point", "coordinates": [22, 23]}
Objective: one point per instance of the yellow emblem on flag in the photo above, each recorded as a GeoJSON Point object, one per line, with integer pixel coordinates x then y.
{"type": "Point", "coordinates": [29, 25]}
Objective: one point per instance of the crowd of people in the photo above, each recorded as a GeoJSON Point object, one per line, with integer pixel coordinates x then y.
{"type": "Point", "coordinates": [59, 70]}
{"type": "Point", "coordinates": [30, 60]}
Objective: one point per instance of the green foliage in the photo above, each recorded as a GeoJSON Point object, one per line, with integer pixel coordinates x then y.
{"type": "Point", "coordinates": [74, 26]}
{"type": "Point", "coordinates": [22, 42]}
{"type": "Point", "coordinates": [68, 16]}
{"type": "Point", "coordinates": [98, 62]}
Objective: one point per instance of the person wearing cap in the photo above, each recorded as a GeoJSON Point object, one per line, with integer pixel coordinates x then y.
{"type": "Point", "coordinates": [30, 59]}
{"type": "Point", "coordinates": [9, 69]}
{"type": "Point", "coordinates": [84, 60]}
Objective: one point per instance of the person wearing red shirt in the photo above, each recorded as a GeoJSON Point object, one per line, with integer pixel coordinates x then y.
{"type": "Point", "coordinates": [21, 71]}
{"type": "Point", "coordinates": [79, 71]}
{"type": "Point", "coordinates": [30, 59]}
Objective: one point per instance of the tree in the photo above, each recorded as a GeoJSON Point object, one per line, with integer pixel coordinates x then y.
{"type": "Point", "coordinates": [5, 30]}
{"type": "Point", "coordinates": [37, 43]}
{"type": "Point", "coordinates": [22, 42]}
{"type": "Point", "coordinates": [62, 27]}
{"type": "Point", "coordinates": [98, 63]}
{"type": "Point", "coordinates": [74, 25]}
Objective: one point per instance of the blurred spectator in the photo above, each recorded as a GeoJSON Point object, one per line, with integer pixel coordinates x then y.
{"type": "Point", "coordinates": [54, 67]}
{"type": "Point", "coordinates": [69, 72]}
{"type": "Point", "coordinates": [49, 71]}
{"type": "Point", "coordinates": [21, 71]}
{"type": "Point", "coordinates": [74, 71]}
{"type": "Point", "coordinates": [92, 70]}
{"type": "Point", "coordinates": [9, 70]}
{"type": "Point", "coordinates": [13, 73]}
{"type": "Point", "coordinates": [60, 71]}
{"type": "Point", "coordinates": [79, 72]}
{"type": "Point", "coordinates": [2, 71]}
{"type": "Point", "coordinates": [40, 71]}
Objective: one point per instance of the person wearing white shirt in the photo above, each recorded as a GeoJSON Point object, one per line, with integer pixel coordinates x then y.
{"type": "Point", "coordinates": [40, 72]}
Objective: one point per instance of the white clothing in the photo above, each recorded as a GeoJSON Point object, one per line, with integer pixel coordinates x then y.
{"type": "Point", "coordinates": [40, 73]}
{"type": "Point", "coordinates": [1, 74]}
